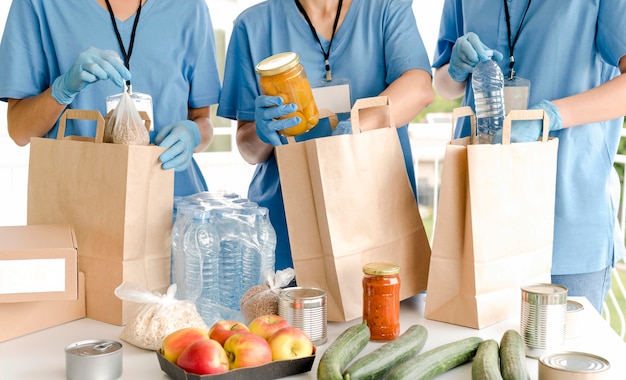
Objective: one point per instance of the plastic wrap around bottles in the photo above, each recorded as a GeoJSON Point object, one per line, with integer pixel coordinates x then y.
{"type": "Point", "coordinates": [488, 87]}
{"type": "Point", "coordinates": [222, 245]}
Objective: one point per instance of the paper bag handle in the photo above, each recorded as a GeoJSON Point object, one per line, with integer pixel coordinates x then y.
{"type": "Point", "coordinates": [525, 115]}
{"type": "Point", "coordinates": [81, 115]}
{"type": "Point", "coordinates": [462, 112]}
{"type": "Point", "coordinates": [374, 101]}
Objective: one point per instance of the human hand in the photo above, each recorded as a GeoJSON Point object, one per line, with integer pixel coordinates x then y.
{"type": "Point", "coordinates": [267, 109]}
{"type": "Point", "coordinates": [531, 130]}
{"type": "Point", "coordinates": [181, 139]}
{"type": "Point", "coordinates": [90, 66]}
{"type": "Point", "coordinates": [343, 128]}
{"type": "Point", "coordinates": [467, 51]}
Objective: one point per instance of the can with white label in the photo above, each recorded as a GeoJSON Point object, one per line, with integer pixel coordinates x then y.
{"type": "Point", "coordinates": [93, 360]}
{"type": "Point", "coordinates": [573, 366]}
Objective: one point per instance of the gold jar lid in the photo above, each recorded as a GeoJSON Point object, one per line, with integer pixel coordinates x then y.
{"type": "Point", "coordinates": [381, 269]}
{"type": "Point", "coordinates": [277, 63]}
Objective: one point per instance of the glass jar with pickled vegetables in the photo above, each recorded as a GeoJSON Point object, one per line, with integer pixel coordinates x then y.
{"type": "Point", "coordinates": [381, 300]}
{"type": "Point", "coordinates": [283, 75]}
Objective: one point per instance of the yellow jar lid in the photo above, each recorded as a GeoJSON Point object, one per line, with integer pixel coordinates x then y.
{"type": "Point", "coordinates": [277, 63]}
{"type": "Point", "coordinates": [381, 269]}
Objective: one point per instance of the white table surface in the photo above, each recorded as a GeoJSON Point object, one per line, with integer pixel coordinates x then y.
{"type": "Point", "coordinates": [41, 355]}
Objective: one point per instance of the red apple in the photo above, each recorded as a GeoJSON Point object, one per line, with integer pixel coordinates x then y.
{"type": "Point", "coordinates": [267, 325]}
{"type": "Point", "coordinates": [223, 329]}
{"type": "Point", "coordinates": [290, 343]}
{"type": "Point", "coordinates": [247, 350]}
{"type": "Point", "coordinates": [174, 343]}
{"type": "Point", "coordinates": [203, 357]}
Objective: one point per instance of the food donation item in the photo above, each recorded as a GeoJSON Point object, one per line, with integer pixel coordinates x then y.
{"type": "Point", "coordinates": [381, 300]}
{"type": "Point", "coordinates": [125, 125]}
{"type": "Point", "coordinates": [283, 75]}
{"type": "Point", "coordinates": [341, 351]}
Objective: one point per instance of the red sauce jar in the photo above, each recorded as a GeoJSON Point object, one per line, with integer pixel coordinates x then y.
{"type": "Point", "coordinates": [381, 300]}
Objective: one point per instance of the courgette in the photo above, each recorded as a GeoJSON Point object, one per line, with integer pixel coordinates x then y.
{"type": "Point", "coordinates": [436, 361]}
{"type": "Point", "coordinates": [513, 357]}
{"type": "Point", "coordinates": [377, 363]}
{"type": "Point", "coordinates": [342, 350]}
{"type": "Point", "coordinates": [486, 363]}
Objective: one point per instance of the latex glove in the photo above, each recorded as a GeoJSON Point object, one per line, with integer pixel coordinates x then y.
{"type": "Point", "coordinates": [467, 51]}
{"type": "Point", "coordinates": [531, 130]}
{"type": "Point", "coordinates": [343, 128]}
{"type": "Point", "coordinates": [267, 109]}
{"type": "Point", "coordinates": [91, 65]}
{"type": "Point", "coordinates": [181, 139]}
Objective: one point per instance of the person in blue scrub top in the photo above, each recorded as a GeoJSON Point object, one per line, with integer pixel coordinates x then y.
{"type": "Point", "coordinates": [572, 53]}
{"type": "Point", "coordinates": [350, 49]}
{"type": "Point", "coordinates": [75, 53]}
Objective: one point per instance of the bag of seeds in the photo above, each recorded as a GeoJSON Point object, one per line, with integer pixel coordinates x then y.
{"type": "Point", "coordinates": [125, 125]}
{"type": "Point", "coordinates": [263, 299]}
{"type": "Point", "coordinates": [159, 315]}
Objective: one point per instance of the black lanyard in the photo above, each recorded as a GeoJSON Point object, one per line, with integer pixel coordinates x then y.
{"type": "Point", "coordinates": [119, 37]}
{"type": "Point", "coordinates": [326, 53]}
{"type": "Point", "coordinates": [508, 29]}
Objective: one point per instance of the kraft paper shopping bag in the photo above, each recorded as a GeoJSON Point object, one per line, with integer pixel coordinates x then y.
{"type": "Point", "coordinates": [495, 225]}
{"type": "Point", "coordinates": [348, 202]}
{"type": "Point", "coordinates": [119, 201]}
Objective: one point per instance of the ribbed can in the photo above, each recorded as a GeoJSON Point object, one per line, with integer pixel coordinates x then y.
{"type": "Point", "coordinates": [305, 308]}
{"type": "Point", "coordinates": [571, 365]}
{"type": "Point", "coordinates": [543, 318]}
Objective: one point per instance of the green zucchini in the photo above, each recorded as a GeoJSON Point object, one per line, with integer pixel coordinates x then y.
{"type": "Point", "coordinates": [342, 350]}
{"type": "Point", "coordinates": [377, 363]}
{"type": "Point", "coordinates": [513, 357]}
{"type": "Point", "coordinates": [436, 361]}
{"type": "Point", "coordinates": [486, 363]}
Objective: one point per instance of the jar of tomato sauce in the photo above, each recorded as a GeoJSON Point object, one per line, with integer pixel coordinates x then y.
{"type": "Point", "coordinates": [283, 75]}
{"type": "Point", "coordinates": [381, 300]}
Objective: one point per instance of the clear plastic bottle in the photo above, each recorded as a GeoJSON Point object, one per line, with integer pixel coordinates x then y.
{"type": "Point", "coordinates": [230, 257]}
{"type": "Point", "coordinates": [488, 86]}
{"type": "Point", "coordinates": [267, 237]}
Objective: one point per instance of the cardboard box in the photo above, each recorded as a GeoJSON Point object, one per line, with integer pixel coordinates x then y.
{"type": "Point", "coordinates": [21, 318]}
{"type": "Point", "coordinates": [104, 275]}
{"type": "Point", "coordinates": [38, 263]}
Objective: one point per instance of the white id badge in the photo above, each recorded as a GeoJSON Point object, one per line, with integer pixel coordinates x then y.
{"type": "Point", "coordinates": [143, 102]}
{"type": "Point", "coordinates": [333, 95]}
{"type": "Point", "coordinates": [516, 92]}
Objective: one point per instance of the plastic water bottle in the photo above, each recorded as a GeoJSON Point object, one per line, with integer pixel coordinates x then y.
{"type": "Point", "coordinates": [488, 85]}
{"type": "Point", "coordinates": [230, 257]}
{"type": "Point", "coordinates": [267, 236]}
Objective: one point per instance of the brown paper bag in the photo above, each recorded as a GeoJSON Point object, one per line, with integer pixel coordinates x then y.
{"type": "Point", "coordinates": [348, 202]}
{"type": "Point", "coordinates": [119, 201]}
{"type": "Point", "coordinates": [494, 226]}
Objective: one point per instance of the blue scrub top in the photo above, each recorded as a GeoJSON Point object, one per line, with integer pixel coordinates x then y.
{"type": "Point", "coordinates": [564, 48]}
{"type": "Point", "coordinates": [376, 43]}
{"type": "Point", "coordinates": [173, 59]}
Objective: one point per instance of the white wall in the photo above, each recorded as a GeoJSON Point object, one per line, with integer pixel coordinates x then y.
{"type": "Point", "coordinates": [222, 171]}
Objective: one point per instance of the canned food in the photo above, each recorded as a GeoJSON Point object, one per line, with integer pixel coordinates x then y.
{"type": "Point", "coordinates": [93, 360]}
{"type": "Point", "coordinates": [543, 318]}
{"type": "Point", "coordinates": [305, 308]}
{"type": "Point", "coordinates": [283, 75]}
{"type": "Point", "coordinates": [573, 366]}
{"type": "Point", "coordinates": [381, 300]}
{"type": "Point", "coordinates": [574, 323]}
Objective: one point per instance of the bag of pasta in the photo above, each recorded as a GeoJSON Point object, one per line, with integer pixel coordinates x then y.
{"type": "Point", "coordinates": [159, 315]}
{"type": "Point", "coordinates": [125, 125]}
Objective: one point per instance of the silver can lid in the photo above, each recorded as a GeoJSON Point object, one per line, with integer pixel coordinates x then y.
{"type": "Point", "coordinates": [93, 347]}
{"type": "Point", "coordinates": [573, 306]}
{"type": "Point", "coordinates": [575, 362]}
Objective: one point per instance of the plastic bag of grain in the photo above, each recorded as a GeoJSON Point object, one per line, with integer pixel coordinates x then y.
{"type": "Point", "coordinates": [263, 299]}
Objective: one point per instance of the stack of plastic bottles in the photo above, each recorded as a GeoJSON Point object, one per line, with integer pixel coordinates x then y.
{"type": "Point", "coordinates": [222, 245]}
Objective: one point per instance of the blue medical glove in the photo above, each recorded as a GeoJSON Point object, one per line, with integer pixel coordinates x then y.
{"type": "Point", "coordinates": [467, 51]}
{"type": "Point", "coordinates": [181, 139]}
{"type": "Point", "coordinates": [267, 109]}
{"type": "Point", "coordinates": [531, 130]}
{"type": "Point", "coordinates": [343, 128]}
{"type": "Point", "coordinates": [90, 66]}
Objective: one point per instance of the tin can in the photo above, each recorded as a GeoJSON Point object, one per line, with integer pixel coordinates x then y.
{"type": "Point", "coordinates": [305, 308]}
{"type": "Point", "coordinates": [93, 360]}
{"type": "Point", "coordinates": [283, 75]}
{"type": "Point", "coordinates": [574, 323]}
{"type": "Point", "coordinates": [381, 300]}
{"type": "Point", "coordinates": [543, 318]}
{"type": "Point", "coordinates": [573, 366]}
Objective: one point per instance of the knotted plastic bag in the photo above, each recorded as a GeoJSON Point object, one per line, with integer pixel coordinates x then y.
{"type": "Point", "coordinates": [125, 125]}
{"type": "Point", "coordinates": [263, 299]}
{"type": "Point", "coordinates": [160, 315]}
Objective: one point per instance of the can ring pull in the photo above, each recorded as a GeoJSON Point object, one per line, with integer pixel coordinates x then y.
{"type": "Point", "coordinates": [102, 346]}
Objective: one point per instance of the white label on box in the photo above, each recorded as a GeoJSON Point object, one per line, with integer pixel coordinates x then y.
{"type": "Point", "coordinates": [32, 276]}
